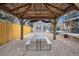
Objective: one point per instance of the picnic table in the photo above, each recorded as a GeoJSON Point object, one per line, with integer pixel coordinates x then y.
{"type": "Point", "coordinates": [39, 37]}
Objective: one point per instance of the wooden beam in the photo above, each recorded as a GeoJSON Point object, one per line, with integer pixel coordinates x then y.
{"type": "Point", "coordinates": [39, 16]}
{"type": "Point", "coordinates": [55, 7]}
{"type": "Point", "coordinates": [70, 8]}
{"type": "Point", "coordinates": [1, 4]}
{"type": "Point", "coordinates": [34, 8]}
{"type": "Point", "coordinates": [6, 9]}
{"type": "Point", "coordinates": [55, 14]}
{"type": "Point", "coordinates": [19, 7]}
{"type": "Point", "coordinates": [39, 10]}
{"type": "Point", "coordinates": [67, 8]}
{"type": "Point", "coordinates": [74, 6]}
{"type": "Point", "coordinates": [24, 11]}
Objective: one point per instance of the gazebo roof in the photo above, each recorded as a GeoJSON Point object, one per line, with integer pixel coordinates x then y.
{"type": "Point", "coordinates": [38, 10]}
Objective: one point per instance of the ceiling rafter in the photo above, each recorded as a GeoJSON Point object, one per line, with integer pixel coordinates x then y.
{"type": "Point", "coordinates": [22, 11]}
{"type": "Point", "coordinates": [26, 10]}
{"type": "Point", "coordinates": [4, 8]}
{"type": "Point", "coordinates": [52, 11]}
{"type": "Point", "coordinates": [74, 6]}
{"type": "Point", "coordinates": [19, 7]}
{"type": "Point", "coordinates": [55, 7]}
{"type": "Point", "coordinates": [1, 4]}
{"type": "Point", "coordinates": [66, 8]}
{"type": "Point", "coordinates": [41, 8]}
{"type": "Point", "coordinates": [34, 8]}
{"type": "Point", "coordinates": [70, 8]}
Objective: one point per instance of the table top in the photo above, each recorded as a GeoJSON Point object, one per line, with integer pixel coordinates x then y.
{"type": "Point", "coordinates": [39, 36]}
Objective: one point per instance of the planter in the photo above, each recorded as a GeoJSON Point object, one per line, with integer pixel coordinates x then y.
{"type": "Point", "coordinates": [65, 36]}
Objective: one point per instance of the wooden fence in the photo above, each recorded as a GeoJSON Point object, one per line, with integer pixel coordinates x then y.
{"type": "Point", "coordinates": [11, 31]}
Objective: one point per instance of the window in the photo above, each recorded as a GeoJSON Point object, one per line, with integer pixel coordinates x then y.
{"type": "Point", "coordinates": [38, 28]}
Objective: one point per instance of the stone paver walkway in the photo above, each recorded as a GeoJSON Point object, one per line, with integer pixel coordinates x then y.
{"type": "Point", "coordinates": [60, 47]}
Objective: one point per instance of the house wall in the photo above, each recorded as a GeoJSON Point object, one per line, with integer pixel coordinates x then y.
{"type": "Point", "coordinates": [41, 26]}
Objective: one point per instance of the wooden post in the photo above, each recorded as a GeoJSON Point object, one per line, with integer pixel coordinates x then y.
{"type": "Point", "coordinates": [21, 29]}
{"type": "Point", "coordinates": [22, 23]}
{"type": "Point", "coordinates": [54, 34]}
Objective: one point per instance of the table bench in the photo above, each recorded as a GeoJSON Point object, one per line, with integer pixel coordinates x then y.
{"type": "Point", "coordinates": [76, 36]}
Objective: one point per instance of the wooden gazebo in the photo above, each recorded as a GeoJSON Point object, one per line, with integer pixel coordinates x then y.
{"type": "Point", "coordinates": [39, 11]}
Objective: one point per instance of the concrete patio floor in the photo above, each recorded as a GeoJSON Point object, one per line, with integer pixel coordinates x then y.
{"type": "Point", "coordinates": [60, 47]}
